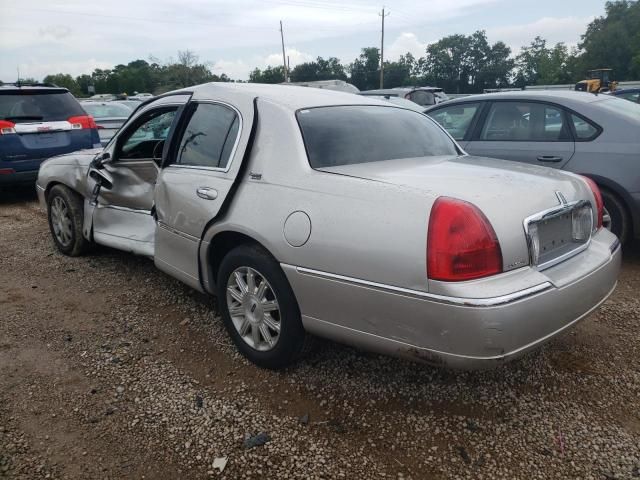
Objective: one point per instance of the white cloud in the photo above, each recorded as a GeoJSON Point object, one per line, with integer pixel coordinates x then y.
{"type": "Point", "coordinates": [552, 29]}
{"type": "Point", "coordinates": [33, 68]}
{"type": "Point", "coordinates": [236, 69]}
{"type": "Point", "coordinates": [405, 42]}
{"type": "Point", "coordinates": [295, 57]}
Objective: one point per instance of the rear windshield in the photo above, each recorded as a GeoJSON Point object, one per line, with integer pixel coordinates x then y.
{"type": "Point", "coordinates": [44, 106]}
{"type": "Point", "coordinates": [101, 110]}
{"type": "Point", "coordinates": [346, 135]}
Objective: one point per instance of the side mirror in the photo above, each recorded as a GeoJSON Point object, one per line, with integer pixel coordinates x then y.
{"type": "Point", "coordinates": [99, 160]}
{"type": "Point", "coordinates": [102, 178]}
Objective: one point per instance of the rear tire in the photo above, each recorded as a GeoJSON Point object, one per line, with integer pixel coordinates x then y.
{"type": "Point", "coordinates": [65, 212]}
{"type": "Point", "coordinates": [259, 309]}
{"type": "Point", "coordinates": [620, 222]}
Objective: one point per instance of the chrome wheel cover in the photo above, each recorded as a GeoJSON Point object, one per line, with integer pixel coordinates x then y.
{"type": "Point", "coordinates": [253, 308]}
{"type": "Point", "coordinates": [61, 221]}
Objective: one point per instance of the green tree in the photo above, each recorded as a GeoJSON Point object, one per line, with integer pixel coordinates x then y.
{"type": "Point", "coordinates": [320, 69]}
{"type": "Point", "coordinates": [268, 75]}
{"type": "Point", "coordinates": [613, 41]}
{"type": "Point", "coordinates": [64, 80]}
{"type": "Point", "coordinates": [365, 70]}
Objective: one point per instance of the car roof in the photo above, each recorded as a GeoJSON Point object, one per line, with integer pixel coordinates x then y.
{"type": "Point", "coordinates": [625, 90]}
{"type": "Point", "coordinates": [11, 87]}
{"type": "Point", "coordinates": [549, 95]}
{"type": "Point", "coordinates": [288, 96]}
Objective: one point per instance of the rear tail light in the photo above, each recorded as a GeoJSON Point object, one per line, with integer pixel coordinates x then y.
{"type": "Point", "coordinates": [7, 171]}
{"type": "Point", "coordinates": [7, 127]}
{"type": "Point", "coordinates": [83, 121]}
{"type": "Point", "coordinates": [598, 197]}
{"type": "Point", "coordinates": [461, 243]}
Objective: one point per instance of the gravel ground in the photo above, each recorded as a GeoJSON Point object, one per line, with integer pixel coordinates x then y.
{"type": "Point", "coordinates": [111, 369]}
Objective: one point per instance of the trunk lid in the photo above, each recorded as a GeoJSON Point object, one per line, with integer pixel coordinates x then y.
{"type": "Point", "coordinates": [507, 193]}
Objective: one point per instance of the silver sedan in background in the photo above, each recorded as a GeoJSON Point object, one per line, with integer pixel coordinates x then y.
{"type": "Point", "coordinates": [109, 117]}
{"type": "Point", "coordinates": [316, 212]}
{"type": "Point", "coordinates": [590, 134]}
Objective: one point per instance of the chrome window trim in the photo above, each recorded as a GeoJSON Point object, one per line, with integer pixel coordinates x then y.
{"type": "Point", "coordinates": [233, 150]}
{"type": "Point", "coordinates": [459, 301]}
{"type": "Point", "coordinates": [564, 207]}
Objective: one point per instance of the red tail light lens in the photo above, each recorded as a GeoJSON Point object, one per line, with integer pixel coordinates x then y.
{"type": "Point", "coordinates": [83, 121]}
{"type": "Point", "coordinates": [7, 127]}
{"type": "Point", "coordinates": [598, 197]}
{"type": "Point", "coordinates": [461, 243]}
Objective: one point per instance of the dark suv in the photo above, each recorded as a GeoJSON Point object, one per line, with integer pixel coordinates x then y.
{"type": "Point", "coordinates": [39, 121]}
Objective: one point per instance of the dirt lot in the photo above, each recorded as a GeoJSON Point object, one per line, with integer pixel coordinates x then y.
{"type": "Point", "coordinates": [111, 369]}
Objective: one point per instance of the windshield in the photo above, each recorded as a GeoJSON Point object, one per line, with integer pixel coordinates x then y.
{"type": "Point", "coordinates": [624, 107]}
{"type": "Point", "coordinates": [38, 106]}
{"type": "Point", "coordinates": [346, 135]}
{"type": "Point", "coordinates": [105, 110]}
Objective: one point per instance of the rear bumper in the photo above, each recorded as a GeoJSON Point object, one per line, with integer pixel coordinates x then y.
{"type": "Point", "coordinates": [19, 178]}
{"type": "Point", "coordinates": [458, 332]}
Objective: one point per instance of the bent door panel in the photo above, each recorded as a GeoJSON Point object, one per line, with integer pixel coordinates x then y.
{"type": "Point", "coordinates": [123, 217]}
{"type": "Point", "coordinates": [193, 187]}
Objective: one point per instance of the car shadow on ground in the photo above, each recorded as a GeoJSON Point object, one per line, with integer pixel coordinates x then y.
{"type": "Point", "coordinates": [17, 194]}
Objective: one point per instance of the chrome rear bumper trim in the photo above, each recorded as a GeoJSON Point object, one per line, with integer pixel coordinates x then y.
{"type": "Point", "coordinates": [465, 302]}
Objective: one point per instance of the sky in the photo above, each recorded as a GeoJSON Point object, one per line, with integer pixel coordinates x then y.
{"type": "Point", "coordinates": [46, 37]}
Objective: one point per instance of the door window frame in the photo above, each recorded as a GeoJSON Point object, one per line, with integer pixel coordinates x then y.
{"type": "Point", "coordinates": [566, 112]}
{"type": "Point", "coordinates": [482, 105]}
{"type": "Point", "coordinates": [135, 124]}
{"type": "Point", "coordinates": [182, 127]}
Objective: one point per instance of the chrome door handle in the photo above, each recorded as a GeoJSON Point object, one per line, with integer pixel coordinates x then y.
{"type": "Point", "coordinates": [207, 193]}
{"type": "Point", "coordinates": [549, 158]}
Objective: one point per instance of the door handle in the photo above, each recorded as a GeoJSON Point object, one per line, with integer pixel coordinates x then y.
{"type": "Point", "coordinates": [549, 158]}
{"type": "Point", "coordinates": [207, 193]}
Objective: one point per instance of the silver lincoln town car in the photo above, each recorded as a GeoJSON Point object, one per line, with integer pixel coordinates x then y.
{"type": "Point", "coordinates": [317, 212]}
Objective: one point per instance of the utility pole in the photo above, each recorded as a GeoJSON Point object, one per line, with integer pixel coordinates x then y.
{"type": "Point", "coordinates": [284, 57]}
{"type": "Point", "coordinates": [382, 49]}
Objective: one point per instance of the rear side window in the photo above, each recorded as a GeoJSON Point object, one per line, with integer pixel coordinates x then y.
{"type": "Point", "coordinates": [34, 105]}
{"type": "Point", "coordinates": [525, 122]}
{"type": "Point", "coordinates": [209, 137]}
{"type": "Point", "coordinates": [584, 130]}
{"type": "Point", "coordinates": [346, 135]}
{"type": "Point", "coordinates": [456, 119]}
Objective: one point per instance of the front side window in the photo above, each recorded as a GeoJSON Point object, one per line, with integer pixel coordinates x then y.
{"type": "Point", "coordinates": [346, 135]}
{"type": "Point", "coordinates": [525, 122]}
{"type": "Point", "coordinates": [148, 137]}
{"type": "Point", "coordinates": [456, 119]}
{"type": "Point", "coordinates": [210, 136]}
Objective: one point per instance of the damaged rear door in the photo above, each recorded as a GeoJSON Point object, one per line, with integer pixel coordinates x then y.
{"type": "Point", "coordinates": [123, 207]}
{"type": "Point", "coordinates": [202, 168]}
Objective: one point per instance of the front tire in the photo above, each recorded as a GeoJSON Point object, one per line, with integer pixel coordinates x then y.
{"type": "Point", "coordinates": [65, 212]}
{"type": "Point", "coordinates": [619, 220]}
{"type": "Point", "coordinates": [259, 309]}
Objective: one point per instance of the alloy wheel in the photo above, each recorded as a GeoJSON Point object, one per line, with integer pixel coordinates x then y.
{"type": "Point", "coordinates": [253, 308]}
{"type": "Point", "coordinates": [61, 221]}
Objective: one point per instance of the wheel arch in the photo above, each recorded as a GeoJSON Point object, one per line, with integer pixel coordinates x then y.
{"type": "Point", "coordinates": [214, 248]}
{"type": "Point", "coordinates": [620, 192]}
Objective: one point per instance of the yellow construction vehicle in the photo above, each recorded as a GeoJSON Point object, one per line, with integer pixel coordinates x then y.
{"type": "Point", "coordinates": [598, 81]}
